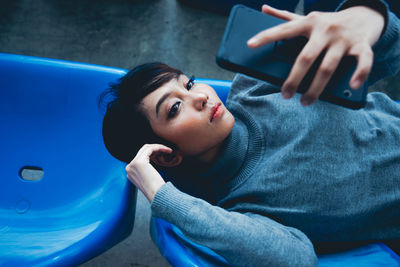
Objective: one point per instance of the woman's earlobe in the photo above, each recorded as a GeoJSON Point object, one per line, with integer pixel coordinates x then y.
{"type": "Point", "coordinates": [167, 160]}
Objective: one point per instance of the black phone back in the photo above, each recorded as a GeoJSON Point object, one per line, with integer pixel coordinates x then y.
{"type": "Point", "coordinates": [273, 62]}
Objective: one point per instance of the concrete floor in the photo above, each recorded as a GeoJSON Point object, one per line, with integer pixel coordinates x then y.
{"type": "Point", "coordinates": [120, 33]}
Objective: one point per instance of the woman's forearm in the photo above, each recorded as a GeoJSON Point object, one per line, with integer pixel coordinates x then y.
{"type": "Point", "coordinates": [242, 239]}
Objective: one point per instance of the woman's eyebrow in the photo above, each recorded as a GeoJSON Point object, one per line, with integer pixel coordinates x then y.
{"type": "Point", "coordinates": [162, 99]}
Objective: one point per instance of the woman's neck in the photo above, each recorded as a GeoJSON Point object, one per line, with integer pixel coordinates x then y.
{"type": "Point", "coordinates": [204, 160]}
{"type": "Point", "coordinates": [209, 156]}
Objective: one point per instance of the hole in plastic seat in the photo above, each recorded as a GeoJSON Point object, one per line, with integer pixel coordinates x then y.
{"type": "Point", "coordinates": [31, 173]}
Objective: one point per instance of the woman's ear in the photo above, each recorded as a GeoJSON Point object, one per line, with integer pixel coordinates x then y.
{"type": "Point", "coordinates": [167, 159]}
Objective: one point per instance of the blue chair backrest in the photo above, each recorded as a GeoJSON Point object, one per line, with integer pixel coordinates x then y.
{"type": "Point", "coordinates": [63, 198]}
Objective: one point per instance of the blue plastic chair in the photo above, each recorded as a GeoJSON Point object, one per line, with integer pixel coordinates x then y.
{"type": "Point", "coordinates": [63, 198]}
{"type": "Point", "coordinates": [180, 251]}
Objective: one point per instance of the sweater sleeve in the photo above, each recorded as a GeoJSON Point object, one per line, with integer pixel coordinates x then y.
{"type": "Point", "coordinates": [243, 239]}
{"type": "Point", "coordinates": [387, 49]}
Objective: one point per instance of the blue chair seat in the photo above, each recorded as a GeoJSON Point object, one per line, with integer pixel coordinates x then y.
{"type": "Point", "coordinates": [63, 198]}
{"type": "Point", "coordinates": [180, 251]}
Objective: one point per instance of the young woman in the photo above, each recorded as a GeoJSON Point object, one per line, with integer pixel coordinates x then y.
{"type": "Point", "coordinates": [288, 177]}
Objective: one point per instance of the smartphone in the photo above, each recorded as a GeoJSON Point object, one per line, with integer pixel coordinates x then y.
{"type": "Point", "coordinates": [273, 62]}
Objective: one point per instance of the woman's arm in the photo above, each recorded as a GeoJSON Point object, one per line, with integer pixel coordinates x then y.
{"type": "Point", "coordinates": [352, 31]}
{"type": "Point", "coordinates": [242, 239]}
{"type": "Point", "coordinates": [387, 51]}
{"type": "Point", "coordinates": [142, 174]}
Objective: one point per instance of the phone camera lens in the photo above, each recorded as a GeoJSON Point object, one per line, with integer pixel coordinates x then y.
{"type": "Point", "coordinates": [347, 93]}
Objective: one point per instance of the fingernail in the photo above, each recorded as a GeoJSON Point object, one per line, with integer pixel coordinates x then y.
{"type": "Point", "coordinates": [252, 41]}
{"type": "Point", "coordinates": [287, 91]}
{"type": "Point", "coordinates": [306, 101]}
{"type": "Point", "coordinates": [356, 84]}
{"type": "Point", "coordinates": [286, 94]}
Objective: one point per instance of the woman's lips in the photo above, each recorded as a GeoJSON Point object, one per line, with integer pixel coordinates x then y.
{"type": "Point", "coordinates": [216, 111]}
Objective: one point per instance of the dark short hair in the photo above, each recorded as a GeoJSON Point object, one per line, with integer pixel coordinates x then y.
{"type": "Point", "coordinates": [125, 127]}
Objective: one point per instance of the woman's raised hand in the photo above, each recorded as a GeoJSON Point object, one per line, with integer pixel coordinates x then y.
{"type": "Point", "coordinates": [351, 31]}
{"type": "Point", "coordinates": [142, 174]}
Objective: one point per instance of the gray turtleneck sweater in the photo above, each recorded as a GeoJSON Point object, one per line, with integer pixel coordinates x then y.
{"type": "Point", "coordinates": [292, 176]}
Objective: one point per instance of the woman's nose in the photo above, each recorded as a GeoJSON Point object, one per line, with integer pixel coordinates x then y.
{"type": "Point", "coordinates": [200, 100]}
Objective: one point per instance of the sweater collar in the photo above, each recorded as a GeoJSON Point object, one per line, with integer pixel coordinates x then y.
{"type": "Point", "coordinates": [231, 157]}
{"type": "Point", "coordinates": [238, 156]}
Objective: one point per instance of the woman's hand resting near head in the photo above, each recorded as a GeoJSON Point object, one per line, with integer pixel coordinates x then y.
{"type": "Point", "coordinates": [142, 174]}
{"type": "Point", "coordinates": [352, 31]}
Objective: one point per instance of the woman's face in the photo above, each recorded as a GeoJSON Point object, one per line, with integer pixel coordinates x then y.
{"type": "Point", "coordinates": [190, 115]}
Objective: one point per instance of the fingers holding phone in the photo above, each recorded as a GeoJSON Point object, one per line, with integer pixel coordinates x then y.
{"type": "Point", "coordinates": [351, 32]}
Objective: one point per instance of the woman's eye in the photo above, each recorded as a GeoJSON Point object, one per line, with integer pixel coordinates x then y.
{"type": "Point", "coordinates": [174, 109]}
{"type": "Point", "coordinates": [190, 83]}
